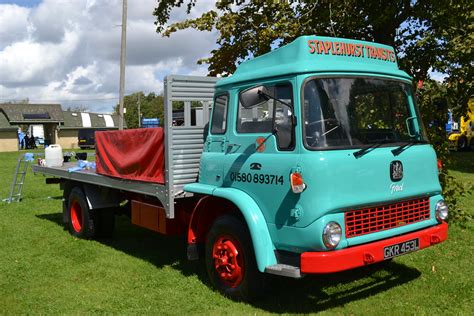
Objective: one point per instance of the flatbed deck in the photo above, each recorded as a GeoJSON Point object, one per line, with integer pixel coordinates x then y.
{"type": "Point", "coordinates": [90, 176]}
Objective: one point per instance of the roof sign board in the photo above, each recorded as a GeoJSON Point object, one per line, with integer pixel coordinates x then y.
{"type": "Point", "coordinates": [317, 54]}
{"type": "Point", "coordinates": [340, 48]}
{"type": "Point", "coordinates": [86, 120]}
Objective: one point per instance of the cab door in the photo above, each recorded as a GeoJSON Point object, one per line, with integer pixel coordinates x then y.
{"type": "Point", "coordinates": [261, 152]}
{"type": "Point", "coordinates": [211, 164]}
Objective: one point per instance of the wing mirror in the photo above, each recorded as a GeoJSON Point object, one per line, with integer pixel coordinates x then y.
{"type": "Point", "coordinates": [254, 96]}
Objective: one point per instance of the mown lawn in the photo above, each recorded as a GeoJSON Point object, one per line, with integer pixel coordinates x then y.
{"type": "Point", "coordinates": [45, 270]}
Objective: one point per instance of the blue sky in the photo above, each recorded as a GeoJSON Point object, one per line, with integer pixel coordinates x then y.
{"type": "Point", "coordinates": [23, 3]}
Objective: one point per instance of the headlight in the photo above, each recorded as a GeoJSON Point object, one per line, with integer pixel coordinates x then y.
{"type": "Point", "coordinates": [332, 235]}
{"type": "Point", "coordinates": [441, 210]}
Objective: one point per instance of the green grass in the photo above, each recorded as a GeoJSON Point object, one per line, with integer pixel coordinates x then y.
{"type": "Point", "coordinates": [45, 270]}
{"type": "Point", "coordinates": [463, 169]}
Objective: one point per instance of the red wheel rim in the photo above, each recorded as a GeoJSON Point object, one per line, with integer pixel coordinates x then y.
{"type": "Point", "coordinates": [228, 260]}
{"type": "Point", "coordinates": [76, 216]}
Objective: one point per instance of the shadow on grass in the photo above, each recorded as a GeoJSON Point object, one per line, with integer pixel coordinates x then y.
{"type": "Point", "coordinates": [316, 293]}
{"type": "Point", "coordinates": [462, 161]}
{"type": "Point", "coordinates": [284, 295]}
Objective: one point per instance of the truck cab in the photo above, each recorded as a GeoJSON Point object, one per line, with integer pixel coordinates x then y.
{"type": "Point", "coordinates": [325, 139]}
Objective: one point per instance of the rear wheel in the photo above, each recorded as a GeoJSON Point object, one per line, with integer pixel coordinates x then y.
{"type": "Point", "coordinates": [81, 222]}
{"type": "Point", "coordinates": [230, 260]}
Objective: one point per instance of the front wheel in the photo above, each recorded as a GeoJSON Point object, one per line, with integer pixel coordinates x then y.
{"type": "Point", "coordinates": [230, 260]}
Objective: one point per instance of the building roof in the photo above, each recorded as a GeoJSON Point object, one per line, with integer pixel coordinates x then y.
{"type": "Point", "coordinates": [11, 114]}
{"type": "Point", "coordinates": [32, 113]}
{"type": "Point", "coordinates": [4, 124]}
{"type": "Point", "coordinates": [317, 54]}
{"type": "Point", "coordinates": [78, 120]}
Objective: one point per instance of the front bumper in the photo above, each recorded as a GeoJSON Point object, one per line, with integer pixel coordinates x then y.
{"type": "Point", "coordinates": [357, 256]}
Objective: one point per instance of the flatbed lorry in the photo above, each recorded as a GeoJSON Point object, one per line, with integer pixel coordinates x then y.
{"type": "Point", "coordinates": [315, 161]}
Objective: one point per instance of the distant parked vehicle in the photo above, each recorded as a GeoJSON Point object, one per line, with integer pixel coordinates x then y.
{"type": "Point", "coordinates": [39, 141]}
{"type": "Point", "coordinates": [86, 138]}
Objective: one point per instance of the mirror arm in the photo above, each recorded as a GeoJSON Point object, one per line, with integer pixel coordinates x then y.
{"type": "Point", "coordinates": [267, 97]}
{"type": "Point", "coordinates": [263, 95]}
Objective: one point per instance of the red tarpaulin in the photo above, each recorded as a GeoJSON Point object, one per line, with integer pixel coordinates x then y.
{"type": "Point", "coordinates": [134, 154]}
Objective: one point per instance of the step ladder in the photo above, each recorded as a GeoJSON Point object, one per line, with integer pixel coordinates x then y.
{"type": "Point", "coordinates": [18, 179]}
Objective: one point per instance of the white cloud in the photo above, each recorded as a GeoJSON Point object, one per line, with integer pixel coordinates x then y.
{"type": "Point", "coordinates": [70, 50]}
{"type": "Point", "coordinates": [34, 63]}
{"type": "Point", "coordinates": [13, 24]}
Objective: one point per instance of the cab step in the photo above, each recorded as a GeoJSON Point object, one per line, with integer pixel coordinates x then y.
{"type": "Point", "coordinates": [285, 270]}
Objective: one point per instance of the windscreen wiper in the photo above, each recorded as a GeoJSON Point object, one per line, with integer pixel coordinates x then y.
{"type": "Point", "coordinates": [371, 147]}
{"type": "Point", "coordinates": [397, 151]}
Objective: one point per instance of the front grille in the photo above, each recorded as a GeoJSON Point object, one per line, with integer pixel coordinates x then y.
{"type": "Point", "coordinates": [383, 217]}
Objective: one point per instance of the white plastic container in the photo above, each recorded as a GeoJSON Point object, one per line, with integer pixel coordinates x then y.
{"type": "Point", "coordinates": [54, 155]}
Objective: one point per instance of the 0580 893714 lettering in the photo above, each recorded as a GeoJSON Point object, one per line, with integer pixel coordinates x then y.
{"type": "Point", "coordinates": [258, 178]}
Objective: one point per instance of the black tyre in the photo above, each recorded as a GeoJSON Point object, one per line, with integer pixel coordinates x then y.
{"type": "Point", "coordinates": [230, 260]}
{"type": "Point", "coordinates": [471, 145]}
{"type": "Point", "coordinates": [82, 222]}
{"type": "Point", "coordinates": [462, 143]}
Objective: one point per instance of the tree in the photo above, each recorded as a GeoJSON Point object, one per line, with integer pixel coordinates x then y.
{"type": "Point", "coordinates": [440, 36]}
{"type": "Point", "coordinates": [432, 102]}
{"type": "Point", "coordinates": [77, 108]}
{"type": "Point", "coordinates": [20, 101]}
{"type": "Point", "coordinates": [428, 35]}
{"type": "Point", "coordinates": [151, 106]}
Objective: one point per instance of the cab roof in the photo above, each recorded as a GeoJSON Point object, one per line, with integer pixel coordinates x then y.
{"type": "Point", "coordinates": [313, 54]}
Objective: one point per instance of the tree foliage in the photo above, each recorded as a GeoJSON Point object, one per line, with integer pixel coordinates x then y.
{"type": "Point", "coordinates": [20, 101]}
{"type": "Point", "coordinates": [427, 34]}
{"type": "Point", "coordinates": [151, 106]}
{"type": "Point", "coordinates": [432, 102]}
{"type": "Point", "coordinates": [77, 108]}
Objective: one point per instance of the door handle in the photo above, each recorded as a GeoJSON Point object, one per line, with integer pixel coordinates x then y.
{"type": "Point", "coordinates": [231, 146]}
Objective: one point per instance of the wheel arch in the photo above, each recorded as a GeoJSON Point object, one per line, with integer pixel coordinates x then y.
{"type": "Point", "coordinates": [66, 187]}
{"type": "Point", "coordinates": [232, 201]}
{"type": "Point", "coordinates": [101, 197]}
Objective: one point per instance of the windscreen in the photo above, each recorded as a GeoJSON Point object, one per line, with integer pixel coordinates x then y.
{"type": "Point", "coordinates": [353, 112]}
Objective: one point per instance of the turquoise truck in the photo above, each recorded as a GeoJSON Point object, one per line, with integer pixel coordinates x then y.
{"type": "Point", "coordinates": [315, 161]}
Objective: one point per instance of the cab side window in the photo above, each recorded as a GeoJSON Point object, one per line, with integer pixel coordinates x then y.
{"type": "Point", "coordinates": [219, 115]}
{"type": "Point", "coordinates": [273, 115]}
{"type": "Point", "coordinates": [258, 119]}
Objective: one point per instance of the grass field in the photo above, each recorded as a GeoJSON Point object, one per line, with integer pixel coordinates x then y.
{"type": "Point", "coordinates": [45, 270]}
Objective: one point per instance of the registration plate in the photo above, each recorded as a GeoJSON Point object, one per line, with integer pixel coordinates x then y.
{"type": "Point", "coordinates": [401, 248]}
